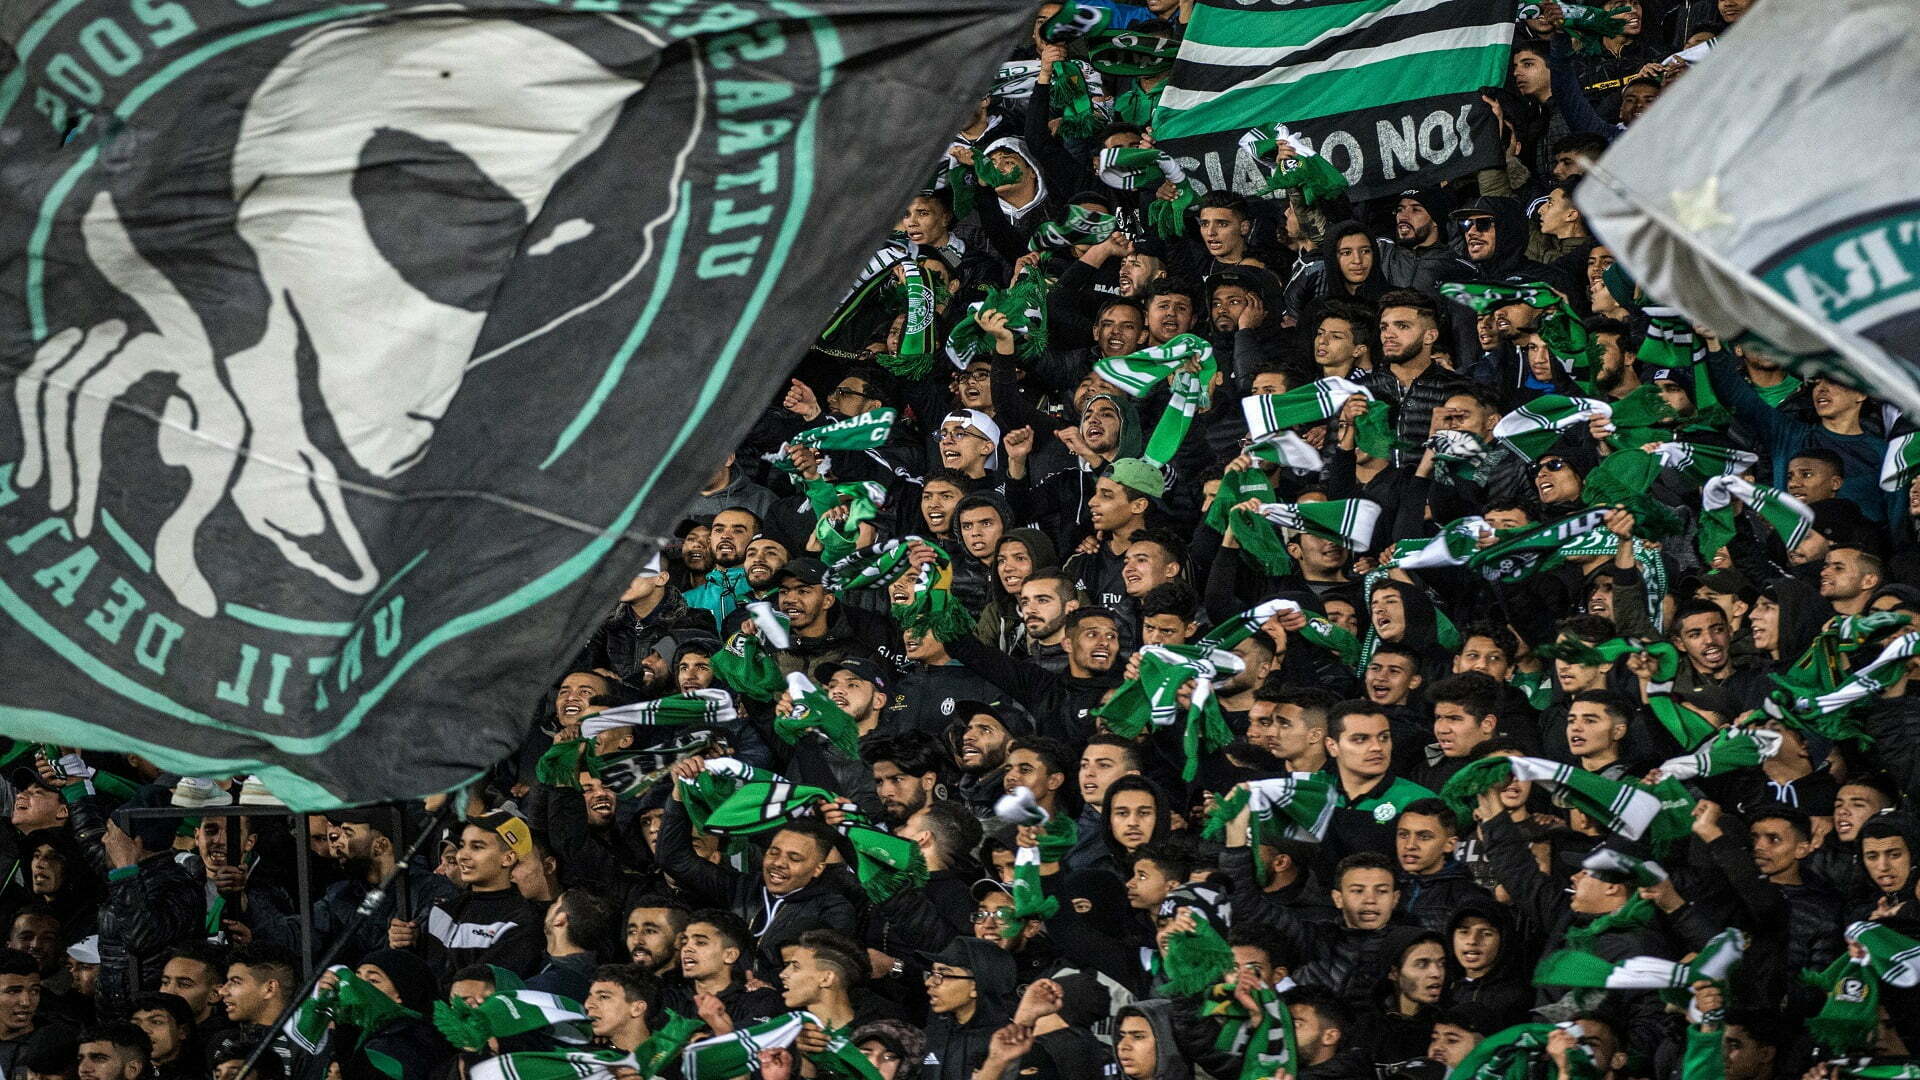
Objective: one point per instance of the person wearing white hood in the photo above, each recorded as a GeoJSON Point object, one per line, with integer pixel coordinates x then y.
{"type": "Point", "coordinates": [1020, 195]}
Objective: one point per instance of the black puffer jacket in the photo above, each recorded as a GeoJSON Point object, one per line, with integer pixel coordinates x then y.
{"type": "Point", "coordinates": [623, 641]}
{"type": "Point", "coordinates": [1432, 899]}
{"type": "Point", "coordinates": [152, 907]}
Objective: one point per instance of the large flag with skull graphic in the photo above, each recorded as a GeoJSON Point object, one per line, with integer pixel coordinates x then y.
{"type": "Point", "coordinates": [359, 352]}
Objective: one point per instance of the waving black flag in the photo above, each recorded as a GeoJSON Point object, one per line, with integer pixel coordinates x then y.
{"type": "Point", "coordinates": [356, 351]}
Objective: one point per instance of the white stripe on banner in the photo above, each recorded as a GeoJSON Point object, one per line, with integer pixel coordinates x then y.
{"type": "Point", "coordinates": [1266, 56]}
{"type": "Point", "coordinates": [1466, 37]}
{"type": "Point", "coordinates": [465, 935]}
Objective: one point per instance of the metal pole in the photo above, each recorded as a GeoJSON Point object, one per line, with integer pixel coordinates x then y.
{"type": "Point", "coordinates": [303, 881]}
{"type": "Point", "coordinates": [372, 901]}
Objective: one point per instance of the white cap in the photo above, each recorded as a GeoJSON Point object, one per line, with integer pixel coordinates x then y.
{"type": "Point", "coordinates": [653, 565]}
{"type": "Point", "coordinates": [984, 424]}
{"type": "Point", "coordinates": [86, 950]}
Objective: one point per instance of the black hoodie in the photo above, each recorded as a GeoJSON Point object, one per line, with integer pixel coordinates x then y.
{"type": "Point", "coordinates": [1505, 992]}
{"type": "Point", "coordinates": [955, 1050]}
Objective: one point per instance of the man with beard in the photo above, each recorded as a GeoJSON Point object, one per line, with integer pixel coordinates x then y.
{"type": "Point", "coordinates": [1412, 381]}
{"type": "Point", "coordinates": [1109, 429]}
{"type": "Point", "coordinates": [1419, 228]}
{"type": "Point", "coordinates": [979, 739]}
{"type": "Point", "coordinates": [1062, 703]}
{"type": "Point", "coordinates": [822, 630]}
{"type": "Point", "coordinates": [726, 586]}
{"type": "Point", "coordinates": [650, 608]}
{"type": "Point", "coordinates": [654, 923]}
{"type": "Point", "coordinates": [1047, 597]}
{"type": "Point", "coordinates": [1618, 375]}
{"type": "Point", "coordinates": [362, 842]}
{"type": "Point", "coordinates": [906, 775]}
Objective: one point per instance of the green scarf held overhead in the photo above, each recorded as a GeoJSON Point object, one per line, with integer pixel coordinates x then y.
{"type": "Point", "coordinates": [1641, 417]}
{"type": "Point", "coordinates": [1270, 416]}
{"type": "Point", "coordinates": [1789, 517]}
{"type": "Point", "coordinates": [868, 431]}
{"type": "Point", "coordinates": [1236, 486]}
{"type": "Point", "coordinates": [1082, 226]}
{"type": "Point", "coordinates": [1455, 541]}
{"type": "Point", "coordinates": [1264, 1041]}
{"type": "Point", "coordinates": [1068, 93]}
{"type": "Point", "coordinates": [1866, 1068]}
{"type": "Point", "coordinates": [813, 712]}
{"type": "Point", "coordinates": [652, 1057]}
{"type": "Point", "coordinates": [1583, 969]}
{"type": "Point", "coordinates": [917, 342]}
{"type": "Point", "coordinates": [1727, 750]}
{"type": "Point", "coordinates": [1560, 326]}
{"type": "Point", "coordinates": [876, 567]}
{"type": "Point", "coordinates": [885, 864]}
{"type": "Point", "coordinates": [1688, 728]}
{"type": "Point", "coordinates": [760, 806]}
{"type": "Point", "coordinates": [1521, 553]}
{"type": "Point", "coordinates": [554, 1065]}
{"type": "Point", "coordinates": [1902, 462]}
{"type": "Point", "coordinates": [1313, 176]}
{"type": "Point", "coordinates": [1151, 700]}
{"type": "Point", "coordinates": [1136, 373]}
{"type": "Point", "coordinates": [1894, 957]}
{"type": "Point", "coordinates": [1512, 1053]}
{"type": "Point", "coordinates": [1298, 806]}
{"type": "Point", "coordinates": [1347, 522]}
{"type": "Point", "coordinates": [745, 663]}
{"type": "Point", "coordinates": [1058, 834]}
{"type": "Point", "coordinates": [1532, 684]}
{"type": "Point", "coordinates": [1533, 428]}
{"type": "Point", "coordinates": [724, 1057]}
{"type": "Point", "coordinates": [1168, 217]}
{"type": "Point", "coordinates": [722, 777]}
{"type": "Point", "coordinates": [1617, 867]}
{"type": "Point", "coordinates": [1704, 461]}
{"type": "Point", "coordinates": [1189, 395]}
{"type": "Point", "coordinates": [934, 609]}
{"type": "Point", "coordinates": [863, 500]}
{"type": "Point", "coordinates": [1625, 479]}
{"type": "Point", "coordinates": [1132, 54]}
{"type": "Point", "coordinates": [1671, 342]}
{"type": "Point", "coordinates": [1318, 631]}
{"type": "Point", "coordinates": [1260, 543]}
{"type": "Point", "coordinates": [1133, 168]}
{"type": "Point", "coordinates": [1819, 669]}
{"type": "Point", "coordinates": [351, 1002]}
{"type": "Point", "coordinates": [1829, 714]}
{"type": "Point", "coordinates": [957, 179]}
{"type": "Point", "coordinates": [562, 763]}
{"type": "Point", "coordinates": [709, 707]}
{"type": "Point", "coordinates": [1195, 959]}
{"type": "Point", "coordinates": [508, 1013]}
{"type": "Point", "coordinates": [1024, 303]}
{"type": "Point", "coordinates": [1030, 900]}
{"type": "Point", "coordinates": [1849, 1017]}
{"type": "Point", "coordinates": [1662, 813]}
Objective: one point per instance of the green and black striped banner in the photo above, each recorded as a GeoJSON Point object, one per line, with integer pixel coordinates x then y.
{"type": "Point", "coordinates": [1387, 90]}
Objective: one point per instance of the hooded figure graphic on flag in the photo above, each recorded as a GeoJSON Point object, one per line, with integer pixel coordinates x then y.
{"type": "Point", "coordinates": [351, 155]}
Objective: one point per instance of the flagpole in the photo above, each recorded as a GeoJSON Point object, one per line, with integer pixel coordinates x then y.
{"type": "Point", "coordinates": [372, 900]}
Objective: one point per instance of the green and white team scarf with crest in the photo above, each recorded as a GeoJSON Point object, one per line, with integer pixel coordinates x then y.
{"type": "Point", "coordinates": [1579, 968]}
{"type": "Point", "coordinates": [1819, 712]}
{"type": "Point", "coordinates": [1298, 806]}
{"type": "Point", "coordinates": [1131, 168]}
{"type": "Point", "coordinates": [724, 1057]}
{"type": "Point", "coordinates": [864, 500]}
{"type": "Point", "coordinates": [1729, 750]}
{"type": "Point", "coordinates": [1790, 518]}
{"type": "Point", "coordinates": [1074, 21]}
{"type": "Point", "coordinates": [1521, 553]}
{"type": "Point", "coordinates": [1138, 372]}
{"type": "Point", "coordinates": [509, 1013]}
{"type": "Point", "coordinates": [1082, 226]}
{"type": "Point", "coordinates": [745, 663]}
{"type": "Point", "coordinates": [1511, 1054]}
{"type": "Point", "coordinates": [1623, 808]}
{"type": "Point", "coordinates": [1456, 540]}
{"type": "Point", "coordinates": [868, 431]}
{"type": "Point", "coordinates": [706, 707]}
{"type": "Point", "coordinates": [1902, 462]}
{"type": "Point", "coordinates": [1347, 522]}
{"type": "Point", "coordinates": [1533, 428]}
{"type": "Point", "coordinates": [813, 712]}
{"type": "Point", "coordinates": [1893, 956]}
{"type": "Point", "coordinates": [1318, 631]}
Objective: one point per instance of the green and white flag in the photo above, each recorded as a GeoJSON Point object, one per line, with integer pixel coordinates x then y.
{"type": "Point", "coordinates": [1388, 91]}
{"type": "Point", "coordinates": [1138, 372]}
{"type": "Point", "coordinates": [1790, 517]}
{"type": "Point", "coordinates": [1579, 968]}
{"type": "Point", "coordinates": [1728, 750]}
{"type": "Point", "coordinates": [1703, 461]}
{"type": "Point", "coordinates": [1347, 522]}
{"type": "Point", "coordinates": [1902, 462]}
{"type": "Point", "coordinates": [1892, 955]}
{"type": "Point", "coordinates": [1533, 428]}
{"type": "Point", "coordinates": [1817, 273]}
{"type": "Point", "coordinates": [1456, 541]}
{"type": "Point", "coordinates": [704, 707]}
{"type": "Point", "coordinates": [724, 1057]}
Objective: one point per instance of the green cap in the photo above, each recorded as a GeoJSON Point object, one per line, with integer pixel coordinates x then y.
{"type": "Point", "coordinates": [1139, 474]}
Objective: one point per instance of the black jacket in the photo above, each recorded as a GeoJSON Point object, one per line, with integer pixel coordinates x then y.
{"type": "Point", "coordinates": [774, 920]}
{"type": "Point", "coordinates": [472, 927]}
{"type": "Point", "coordinates": [335, 910]}
{"type": "Point", "coordinates": [1060, 704]}
{"type": "Point", "coordinates": [623, 641]}
{"type": "Point", "coordinates": [1432, 899]}
{"type": "Point", "coordinates": [152, 908]}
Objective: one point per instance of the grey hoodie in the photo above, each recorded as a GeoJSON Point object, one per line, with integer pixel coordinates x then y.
{"type": "Point", "coordinates": [1169, 1063]}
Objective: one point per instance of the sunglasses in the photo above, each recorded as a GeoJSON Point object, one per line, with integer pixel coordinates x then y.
{"type": "Point", "coordinates": [1477, 224]}
{"type": "Point", "coordinates": [1552, 466]}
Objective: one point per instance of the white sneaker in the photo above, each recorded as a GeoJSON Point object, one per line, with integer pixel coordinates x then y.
{"type": "Point", "coordinates": [198, 793]}
{"type": "Point", "coordinates": [253, 792]}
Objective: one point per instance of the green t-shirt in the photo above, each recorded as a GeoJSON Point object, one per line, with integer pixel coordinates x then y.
{"type": "Point", "coordinates": [1779, 392]}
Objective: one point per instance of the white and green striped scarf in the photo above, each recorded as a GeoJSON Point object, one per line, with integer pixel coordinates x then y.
{"type": "Point", "coordinates": [1132, 168]}
{"type": "Point", "coordinates": [724, 1057]}
{"type": "Point", "coordinates": [1138, 372]}
{"type": "Point", "coordinates": [1618, 867]}
{"type": "Point", "coordinates": [1579, 968]}
{"type": "Point", "coordinates": [508, 1013]}
{"type": "Point", "coordinates": [1533, 428]}
{"type": "Point", "coordinates": [1316, 402]}
{"type": "Point", "coordinates": [553, 1065]}
{"type": "Point", "coordinates": [1347, 522]}
{"type": "Point", "coordinates": [1189, 394]}
{"type": "Point", "coordinates": [1901, 463]}
{"type": "Point", "coordinates": [1892, 956]}
{"type": "Point", "coordinates": [1876, 677]}
{"type": "Point", "coordinates": [1789, 517]}
{"type": "Point", "coordinates": [1318, 631]}
{"type": "Point", "coordinates": [1457, 540]}
{"type": "Point", "coordinates": [1703, 461]}
{"type": "Point", "coordinates": [705, 707]}
{"type": "Point", "coordinates": [1729, 750]}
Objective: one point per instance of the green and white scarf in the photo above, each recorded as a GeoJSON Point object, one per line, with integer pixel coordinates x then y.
{"type": "Point", "coordinates": [1150, 700]}
{"type": "Point", "coordinates": [1189, 394]}
{"type": "Point", "coordinates": [1082, 226]}
{"type": "Point", "coordinates": [720, 778]}
{"type": "Point", "coordinates": [1511, 1055]}
{"type": "Point", "coordinates": [1264, 1041]}
{"type": "Point", "coordinates": [1533, 428]}
{"type": "Point", "coordinates": [1138, 372]}
{"type": "Point", "coordinates": [745, 663]}
{"type": "Point", "coordinates": [724, 1057]}
{"type": "Point", "coordinates": [555, 1065]}
{"type": "Point", "coordinates": [508, 1013]}
{"type": "Point", "coordinates": [1662, 813]}
{"type": "Point", "coordinates": [1579, 968]}
{"type": "Point", "coordinates": [1524, 552]}
{"type": "Point", "coordinates": [351, 1002]}
{"type": "Point", "coordinates": [864, 500]}
{"type": "Point", "coordinates": [1024, 303]}
{"type": "Point", "coordinates": [1617, 867]}
{"type": "Point", "coordinates": [1902, 462]}
{"type": "Point", "coordinates": [1704, 461]}
{"type": "Point", "coordinates": [1825, 713]}
{"type": "Point", "coordinates": [1298, 806]}
{"type": "Point", "coordinates": [1790, 518]}
{"type": "Point", "coordinates": [1074, 21]}
{"type": "Point", "coordinates": [1347, 522]}
{"type": "Point", "coordinates": [813, 712]}
{"type": "Point", "coordinates": [706, 707]}
{"type": "Point", "coordinates": [1318, 631]}
{"type": "Point", "coordinates": [1849, 1017]}
{"type": "Point", "coordinates": [762, 806]}
{"type": "Point", "coordinates": [868, 431]}
{"type": "Point", "coordinates": [1457, 540]}
{"type": "Point", "coordinates": [1131, 168]}
{"type": "Point", "coordinates": [875, 567]}
{"type": "Point", "coordinates": [1729, 750]}
{"type": "Point", "coordinates": [1893, 956]}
